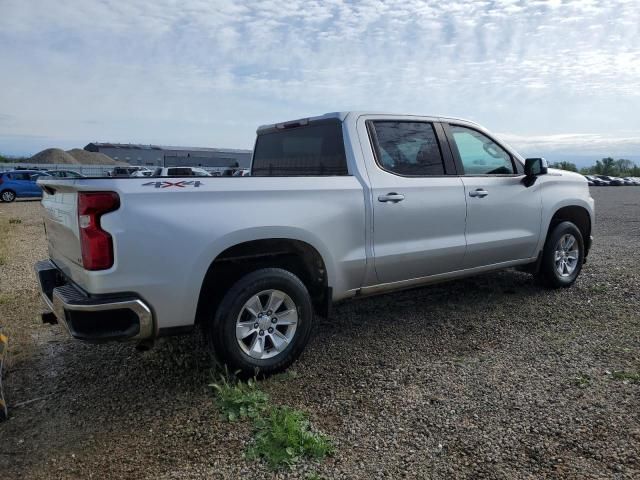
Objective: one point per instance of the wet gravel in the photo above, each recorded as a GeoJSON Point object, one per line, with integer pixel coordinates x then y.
{"type": "Point", "coordinates": [489, 377]}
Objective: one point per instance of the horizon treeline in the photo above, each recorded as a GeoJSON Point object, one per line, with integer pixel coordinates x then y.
{"type": "Point", "coordinates": [606, 166]}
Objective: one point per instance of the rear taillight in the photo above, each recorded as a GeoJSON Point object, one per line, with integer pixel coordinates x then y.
{"type": "Point", "coordinates": [95, 243]}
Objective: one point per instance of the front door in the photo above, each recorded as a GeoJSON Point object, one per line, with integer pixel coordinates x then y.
{"type": "Point", "coordinates": [23, 183]}
{"type": "Point", "coordinates": [503, 214]}
{"type": "Point", "coordinates": [419, 206]}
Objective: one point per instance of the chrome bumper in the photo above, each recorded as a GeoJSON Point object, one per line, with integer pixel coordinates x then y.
{"type": "Point", "coordinates": [94, 318]}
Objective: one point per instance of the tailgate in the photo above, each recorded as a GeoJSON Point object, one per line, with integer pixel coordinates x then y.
{"type": "Point", "coordinates": [60, 202]}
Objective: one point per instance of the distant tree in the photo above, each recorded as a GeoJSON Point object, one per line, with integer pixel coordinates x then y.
{"type": "Point", "coordinates": [7, 159]}
{"type": "Point", "coordinates": [625, 166]}
{"type": "Point", "coordinates": [606, 166]}
{"type": "Point", "coordinates": [565, 166]}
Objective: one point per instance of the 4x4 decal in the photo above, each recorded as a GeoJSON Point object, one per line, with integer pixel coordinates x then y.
{"type": "Point", "coordinates": [167, 184]}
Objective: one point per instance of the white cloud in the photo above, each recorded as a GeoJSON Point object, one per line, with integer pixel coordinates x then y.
{"type": "Point", "coordinates": [208, 72]}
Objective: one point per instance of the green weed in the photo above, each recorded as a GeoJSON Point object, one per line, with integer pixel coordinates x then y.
{"type": "Point", "coordinates": [631, 377]}
{"type": "Point", "coordinates": [598, 288]}
{"type": "Point", "coordinates": [285, 436]}
{"type": "Point", "coordinates": [581, 381]}
{"type": "Point", "coordinates": [239, 400]}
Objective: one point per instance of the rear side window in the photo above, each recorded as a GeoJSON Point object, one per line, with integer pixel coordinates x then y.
{"type": "Point", "coordinates": [408, 148]}
{"type": "Point", "coordinates": [313, 150]}
{"type": "Point", "coordinates": [21, 176]}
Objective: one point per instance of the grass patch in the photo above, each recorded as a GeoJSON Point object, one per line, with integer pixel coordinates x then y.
{"type": "Point", "coordinates": [238, 400]}
{"type": "Point", "coordinates": [285, 436]}
{"type": "Point", "coordinates": [598, 288]}
{"type": "Point", "coordinates": [581, 381]}
{"type": "Point", "coordinates": [4, 240]}
{"type": "Point", "coordinates": [282, 435]}
{"type": "Point", "coordinates": [284, 376]}
{"type": "Point", "coordinates": [630, 377]}
{"type": "Point", "coordinates": [313, 476]}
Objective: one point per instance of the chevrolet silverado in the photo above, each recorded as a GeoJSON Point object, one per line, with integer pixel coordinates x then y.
{"type": "Point", "coordinates": [336, 206]}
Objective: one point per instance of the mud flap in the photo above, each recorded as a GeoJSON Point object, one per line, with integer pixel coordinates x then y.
{"type": "Point", "coordinates": [3, 352]}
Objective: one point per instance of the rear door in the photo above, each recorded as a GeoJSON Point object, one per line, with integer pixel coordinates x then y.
{"type": "Point", "coordinates": [503, 214]}
{"type": "Point", "coordinates": [419, 206]}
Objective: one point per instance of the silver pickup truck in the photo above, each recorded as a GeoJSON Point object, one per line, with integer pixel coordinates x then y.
{"type": "Point", "coordinates": [337, 206]}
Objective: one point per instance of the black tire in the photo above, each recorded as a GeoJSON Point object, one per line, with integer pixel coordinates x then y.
{"type": "Point", "coordinates": [221, 330]}
{"type": "Point", "coordinates": [548, 274]}
{"type": "Point", "coordinates": [8, 196]}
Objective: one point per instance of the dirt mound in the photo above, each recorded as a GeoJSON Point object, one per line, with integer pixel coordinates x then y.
{"type": "Point", "coordinates": [92, 158]}
{"type": "Point", "coordinates": [53, 155]}
{"type": "Point", "coordinates": [75, 156]}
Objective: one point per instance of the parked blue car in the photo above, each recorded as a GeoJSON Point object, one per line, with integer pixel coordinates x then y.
{"type": "Point", "coordinates": [20, 184]}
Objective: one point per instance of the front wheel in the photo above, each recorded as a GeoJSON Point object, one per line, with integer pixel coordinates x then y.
{"type": "Point", "coordinates": [8, 196]}
{"type": "Point", "coordinates": [263, 323]}
{"type": "Point", "coordinates": [562, 257]}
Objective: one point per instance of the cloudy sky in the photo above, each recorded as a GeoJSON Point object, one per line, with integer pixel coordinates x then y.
{"type": "Point", "coordinates": [557, 77]}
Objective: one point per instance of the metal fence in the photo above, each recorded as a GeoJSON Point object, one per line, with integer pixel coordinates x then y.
{"type": "Point", "coordinates": [86, 170]}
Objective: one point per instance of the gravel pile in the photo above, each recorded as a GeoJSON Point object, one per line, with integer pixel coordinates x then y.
{"type": "Point", "coordinates": [93, 158]}
{"type": "Point", "coordinates": [75, 156]}
{"type": "Point", "coordinates": [53, 155]}
{"type": "Point", "coordinates": [488, 377]}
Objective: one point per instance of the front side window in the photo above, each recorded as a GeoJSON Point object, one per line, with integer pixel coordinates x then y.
{"type": "Point", "coordinates": [479, 154]}
{"type": "Point", "coordinates": [408, 148]}
{"type": "Point", "coordinates": [311, 150]}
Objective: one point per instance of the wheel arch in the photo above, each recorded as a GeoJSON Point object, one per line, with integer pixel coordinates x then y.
{"type": "Point", "coordinates": [297, 256]}
{"type": "Point", "coordinates": [576, 214]}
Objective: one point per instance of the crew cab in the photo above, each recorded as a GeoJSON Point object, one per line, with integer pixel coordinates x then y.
{"type": "Point", "coordinates": [337, 206]}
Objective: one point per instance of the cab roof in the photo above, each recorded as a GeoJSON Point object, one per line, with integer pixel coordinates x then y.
{"type": "Point", "coordinates": [341, 116]}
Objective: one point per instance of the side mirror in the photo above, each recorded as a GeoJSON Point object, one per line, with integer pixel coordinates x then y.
{"type": "Point", "coordinates": [535, 166]}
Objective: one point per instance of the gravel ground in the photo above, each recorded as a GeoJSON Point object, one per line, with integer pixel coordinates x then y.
{"type": "Point", "coordinates": [486, 377]}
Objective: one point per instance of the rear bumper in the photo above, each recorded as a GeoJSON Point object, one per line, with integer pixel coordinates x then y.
{"type": "Point", "coordinates": [93, 318]}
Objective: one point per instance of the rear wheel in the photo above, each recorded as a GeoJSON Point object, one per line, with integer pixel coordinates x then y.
{"type": "Point", "coordinates": [562, 257]}
{"type": "Point", "coordinates": [263, 323]}
{"type": "Point", "coordinates": [8, 196]}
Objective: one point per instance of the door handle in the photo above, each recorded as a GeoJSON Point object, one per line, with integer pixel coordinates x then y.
{"type": "Point", "coordinates": [478, 192]}
{"type": "Point", "coordinates": [392, 197]}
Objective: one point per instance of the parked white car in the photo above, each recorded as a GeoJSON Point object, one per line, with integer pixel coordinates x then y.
{"type": "Point", "coordinates": [180, 172]}
{"type": "Point", "coordinates": [132, 171]}
{"type": "Point", "coordinates": [338, 206]}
